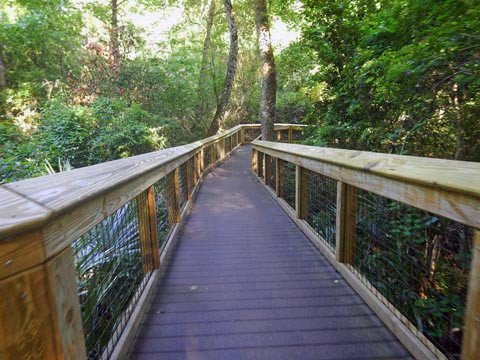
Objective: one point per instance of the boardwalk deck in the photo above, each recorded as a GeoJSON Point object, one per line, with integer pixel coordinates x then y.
{"type": "Point", "coordinates": [245, 283]}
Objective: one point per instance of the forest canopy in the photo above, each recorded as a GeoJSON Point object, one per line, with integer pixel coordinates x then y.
{"type": "Point", "coordinates": [87, 81]}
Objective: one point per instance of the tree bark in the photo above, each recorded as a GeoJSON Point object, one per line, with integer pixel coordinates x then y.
{"type": "Point", "coordinates": [3, 71]}
{"type": "Point", "coordinates": [114, 37]}
{"type": "Point", "coordinates": [269, 77]}
{"type": "Point", "coordinates": [231, 69]}
{"type": "Point", "coordinates": [202, 78]}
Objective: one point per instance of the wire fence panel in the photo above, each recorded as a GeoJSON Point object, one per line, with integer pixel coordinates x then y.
{"type": "Point", "coordinates": [418, 262]}
{"type": "Point", "coordinates": [270, 172]}
{"type": "Point", "coordinates": [228, 145]}
{"type": "Point", "coordinates": [287, 181]}
{"type": "Point", "coordinates": [110, 277]}
{"type": "Point", "coordinates": [161, 189]}
{"type": "Point", "coordinates": [284, 135]}
{"type": "Point", "coordinates": [297, 135]}
{"type": "Point", "coordinates": [260, 159]}
{"type": "Point", "coordinates": [182, 184]}
{"type": "Point", "coordinates": [250, 134]}
{"type": "Point", "coordinates": [207, 156]}
{"type": "Point", "coordinates": [191, 174]}
{"type": "Point", "coordinates": [218, 151]}
{"type": "Point", "coordinates": [322, 205]}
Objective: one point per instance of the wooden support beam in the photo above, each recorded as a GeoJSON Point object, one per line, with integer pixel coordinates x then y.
{"type": "Point", "coordinates": [471, 336]}
{"type": "Point", "coordinates": [278, 177]}
{"type": "Point", "coordinates": [188, 174]}
{"type": "Point", "coordinates": [173, 192]}
{"type": "Point", "coordinates": [152, 220]}
{"type": "Point", "coordinates": [40, 313]}
{"type": "Point", "coordinates": [255, 161]}
{"type": "Point", "coordinates": [301, 193]}
{"type": "Point", "coordinates": [242, 135]}
{"type": "Point", "coordinates": [143, 215]}
{"type": "Point", "coordinates": [202, 160]}
{"type": "Point", "coordinates": [346, 222]}
{"type": "Point", "coordinates": [278, 135]}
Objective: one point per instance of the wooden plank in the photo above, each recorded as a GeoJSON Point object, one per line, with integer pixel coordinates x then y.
{"type": "Point", "coordinates": [188, 175]}
{"type": "Point", "coordinates": [152, 220]}
{"type": "Point", "coordinates": [346, 222]}
{"type": "Point", "coordinates": [242, 136]}
{"type": "Point", "coordinates": [21, 253]}
{"type": "Point", "coordinates": [471, 337]}
{"type": "Point", "coordinates": [301, 193]}
{"type": "Point", "coordinates": [19, 214]}
{"type": "Point", "coordinates": [25, 317]}
{"type": "Point", "coordinates": [290, 137]}
{"type": "Point", "coordinates": [144, 232]}
{"type": "Point", "coordinates": [64, 305]}
{"type": "Point", "coordinates": [456, 176]}
{"type": "Point", "coordinates": [457, 206]}
{"type": "Point", "coordinates": [255, 161]}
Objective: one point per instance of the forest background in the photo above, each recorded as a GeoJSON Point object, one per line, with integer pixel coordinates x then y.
{"type": "Point", "coordinates": [87, 81]}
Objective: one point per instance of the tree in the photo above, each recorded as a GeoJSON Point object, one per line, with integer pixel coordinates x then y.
{"type": "Point", "coordinates": [231, 69]}
{"type": "Point", "coordinates": [114, 36]}
{"type": "Point", "coordinates": [269, 77]}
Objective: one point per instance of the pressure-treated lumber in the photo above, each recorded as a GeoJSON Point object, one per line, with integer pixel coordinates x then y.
{"type": "Point", "coordinates": [152, 222]}
{"type": "Point", "coordinates": [346, 222]}
{"type": "Point", "coordinates": [301, 193]}
{"type": "Point", "coordinates": [278, 177]}
{"type": "Point", "coordinates": [443, 194]}
{"type": "Point", "coordinates": [471, 337]}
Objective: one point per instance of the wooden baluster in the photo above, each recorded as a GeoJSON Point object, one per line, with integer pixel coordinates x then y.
{"type": "Point", "coordinates": [279, 177]}
{"type": "Point", "coordinates": [40, 313]}
{"type": "Point", "coordinates": [147, 225]}
{"type": "Point", "coordinates": [173, 203]}
{"type": "Point", "coordinates": [346, 222]}
{"type": "Point", "coordinates": [301, 193]}
{"type": "Point", "coordinates": [242, 135]}
{"type": "Point", "coordinates": [290, 135]}
{"type": "Point", "coordinates": [202, 160]}
{"type": "Point", "coordinates": [471, 336]}
{"type": "Point", "coordinates": [255, 161]}
{"type": "Point", "coordinates": [278, 135]}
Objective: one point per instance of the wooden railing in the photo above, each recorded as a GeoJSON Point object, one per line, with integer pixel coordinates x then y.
{"type": "Point", "coordinates": [81, 251]}
{"type": "Point", "coordinates": [402, 230]}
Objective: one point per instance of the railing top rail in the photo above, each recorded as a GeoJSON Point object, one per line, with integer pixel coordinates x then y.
{"type": "Point", "coordinates": [29, 204]}
{"type": "Point", "coordinates": [452, 175]}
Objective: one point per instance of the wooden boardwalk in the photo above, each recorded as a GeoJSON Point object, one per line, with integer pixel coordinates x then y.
{"type": "Point", "coordinates": [245, 283]}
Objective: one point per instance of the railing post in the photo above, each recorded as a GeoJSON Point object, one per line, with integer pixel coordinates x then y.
{"type": "Point", "coordinates": [278, 176]}
{"type": "Point", "coordinates": [188, 174]}
{"type": "Point", "coordinates": [242, 135]}
{"type": "Point", "coordinates": [199, 165]}
{"type": "Point", "coordinates": [254, 161]}
{"type": "Point", "coordinates": [40, 312]}
{"type": "Point", "coordinates": [212, 153]}
{"type": "Point", "coordinates": [147, 226]}
{"type": "Point", "coordinates": [278, 135]}
{"type": "Point", "coordinates": [223, 149]}
{"type": "Point", "coordinates": [346, 222]}
{"type": "Point", "coordinates": [202, 160]}
{"type": "Point", "coordinates": [301, 193]}
{"type": "Point", "coordinates": [173, 203]}
{"type": "Point", "coordinates": [471, 337]}
{"type": "Point", "coordinates": [290, 137]}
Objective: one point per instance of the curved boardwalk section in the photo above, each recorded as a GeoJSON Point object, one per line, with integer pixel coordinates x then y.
{"type": "Point", "coordinates": [245, 283]}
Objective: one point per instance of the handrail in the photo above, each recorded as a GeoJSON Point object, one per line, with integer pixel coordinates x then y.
{"type": "Point", "coordinates": [317, 186]}
{"type": "Point", "coordinates": [41, 218]}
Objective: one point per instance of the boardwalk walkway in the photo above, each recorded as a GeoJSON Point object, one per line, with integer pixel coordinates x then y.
{"type": "Point", "coordinates": [245, 283]}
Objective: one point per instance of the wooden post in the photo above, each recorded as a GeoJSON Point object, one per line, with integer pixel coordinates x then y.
{"type": "Point", "coordinates": [242, 135]}
{"type": "Point", "coordinates": [173, 203]}
{"type": "Point", "coordinates": [147, 226]}
{"type": "Point", "coordinates": [223, 149]}
{"type": "Point", "coordinates": [255, 161]}
{"type": "Point", "coordinates": [346, 222]}
{"type": "Point", "coordinates": [278, 177]}
{"type": "Point", "coordinates": [471, 336]}
{"type": "Point", "coordinates": [202, 160]}
{"type": "Point", "coordinates": [301, 193]}
{"type": "Point", "coordinates": [266, 168]}
{"type": "Point", "coordinates": [212, 154]}
{"type": "Point", "coordinates": [188, 178]}
{"type": "Point", "coordinates": [290, 135]}
{"type": "Point", "coordinates": [152, 216]}
{"type": "Point", "coordinates": [40, 312]}
{"type": "Point", "coordinates": [278, 134]}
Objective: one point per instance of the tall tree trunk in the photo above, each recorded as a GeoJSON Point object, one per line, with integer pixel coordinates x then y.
{"type": "Point", "coordinates": [3, 71]}
{"type": "Point", "coordinates": [202, 78]}
{"type": "Point", "coordinates": [114, 40]}
{"type": "Point", "coordinates": [269, 77]}
{"type": "Point", "coordinates": [231, 69]}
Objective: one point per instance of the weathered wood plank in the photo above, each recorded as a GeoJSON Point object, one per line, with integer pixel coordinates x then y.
{"type": "Point", "coordinates": [471, 337]}
{"type": "Point", "coordinates": [456, 205]}
{"type": "Point", "coordinates": [25, 317]}
{"type": "Point", "coordinates": [21, 253]}
{"type": "Point", "coordinates": [64, 306]}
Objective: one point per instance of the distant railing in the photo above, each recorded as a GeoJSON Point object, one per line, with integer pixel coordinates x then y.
{"type": "Point", "coordinates": [403, 231]}
{"type": "Point", "coordinates": [81, 251]}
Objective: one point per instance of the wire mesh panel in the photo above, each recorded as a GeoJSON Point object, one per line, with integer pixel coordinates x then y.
{"type": "Point", "coordinates": [191, 174]}
{"type": "Point", "coordinates": [108, 260]}
{"type": "Point", "coordinates": [182, 184]}
{"type": "Point", "coordinates": [161, 188]}
{"type": "Point", "coordinates": [207, 156]}
{"type": "Point", "coordinates": [417, 261]}
{"type": "Point", "coordinates": [287, 182]}
{"type": "Point", "coordinates": [218, 151]}
{"type": "Point", "coordinates": [228, 145]}
{"type": "Point", "coordinates": [250, 134]}
{"type": "Point", "coordinates": [297, 135]}
{"type": "Point", "coordinates": [322, 205]}
{"type": "Point", "coordinates": [284, 135]}
{"type": "Point", "coordinates": [270, 171]}
{"type": "Point", "coordinates": [260, 166]}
